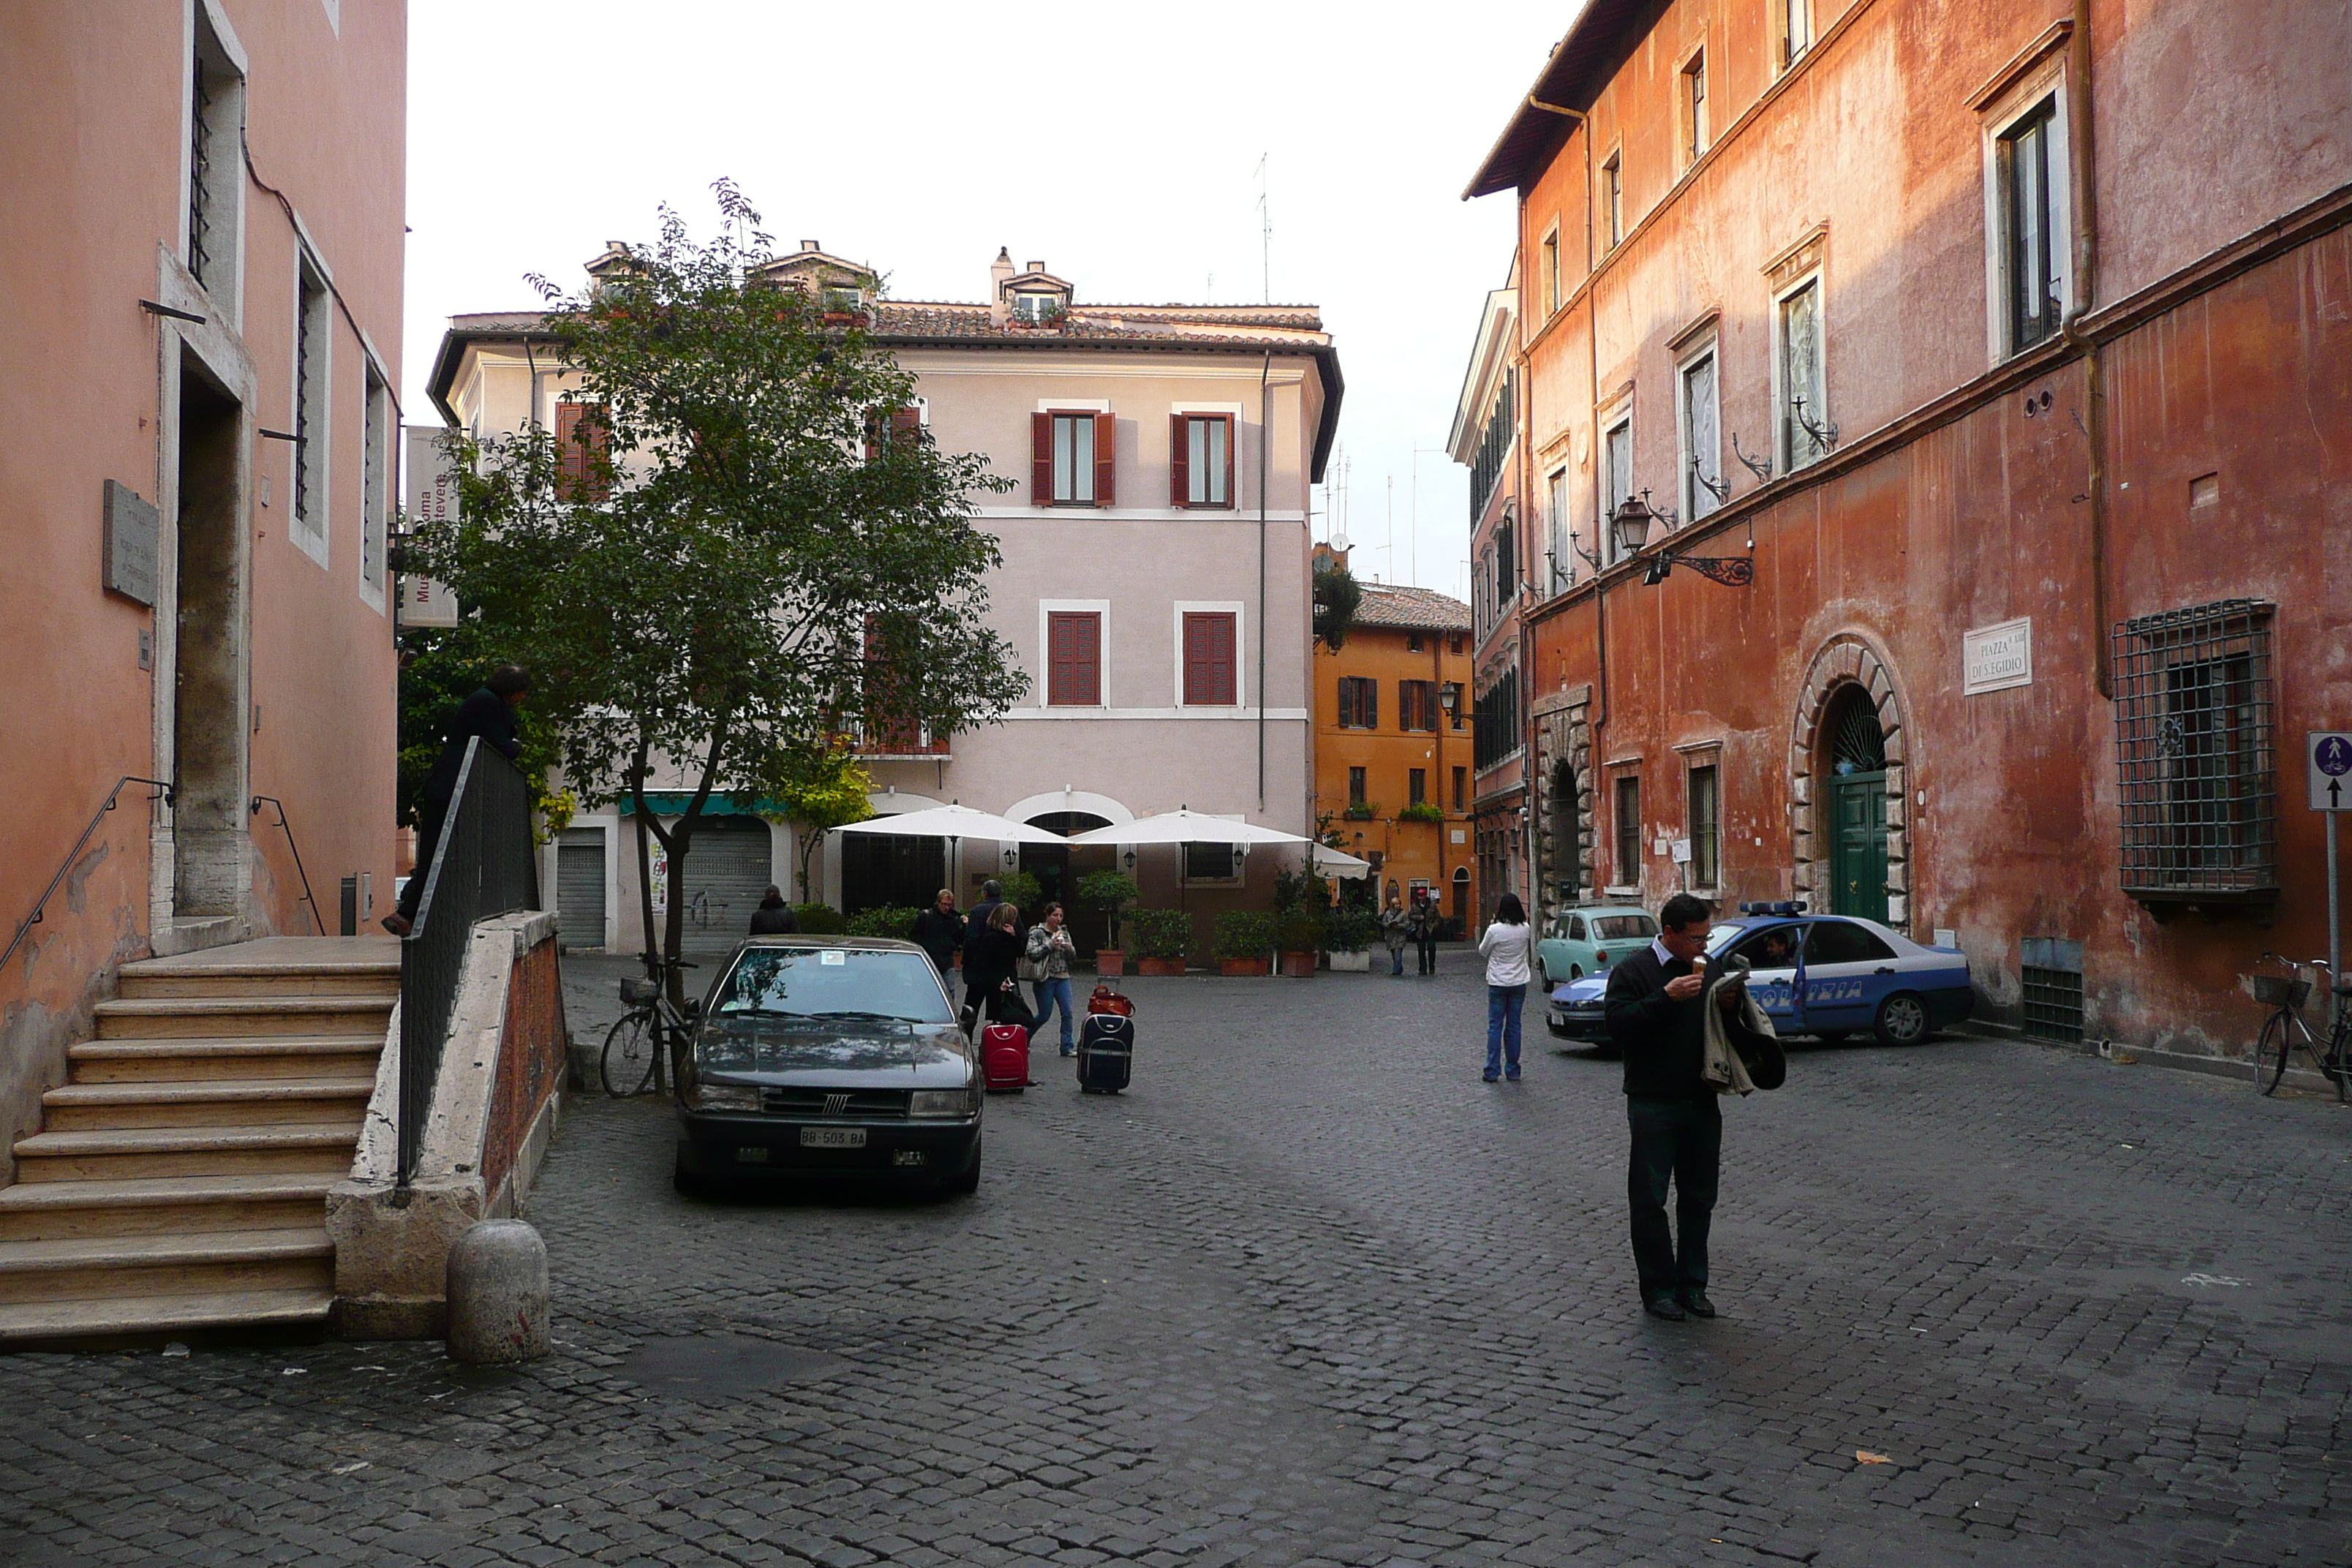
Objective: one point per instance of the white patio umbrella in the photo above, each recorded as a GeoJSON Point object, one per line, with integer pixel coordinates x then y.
{"type": "Point", "coordinates": [956, 822]}
{"type": "Point", "coordinates": [1185, 825]}
{"type": "Point", "coordinates": [1341, 864]}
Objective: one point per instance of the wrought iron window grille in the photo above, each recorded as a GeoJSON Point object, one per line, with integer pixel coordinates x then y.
{"type": "Point", "coordinates": [2196, 758]}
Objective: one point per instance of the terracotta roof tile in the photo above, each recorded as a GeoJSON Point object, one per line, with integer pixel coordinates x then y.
{"type": "Point", "coordinates": [1412, 609]}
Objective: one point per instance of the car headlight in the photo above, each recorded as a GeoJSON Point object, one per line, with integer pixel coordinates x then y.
{"type": "Point", "coordinates": [701, 1096]}
{"type": "Point", "coordinates": [953, 1103]}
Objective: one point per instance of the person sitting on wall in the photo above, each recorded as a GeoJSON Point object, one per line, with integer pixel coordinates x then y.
{"type": "Point", "coordinates": [488, 715]}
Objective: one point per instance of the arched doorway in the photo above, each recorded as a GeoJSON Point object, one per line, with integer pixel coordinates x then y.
{"type": "Point", "coordinates": [1567, 852]}
{"type": "Point", "coordinates": [1854, 774]}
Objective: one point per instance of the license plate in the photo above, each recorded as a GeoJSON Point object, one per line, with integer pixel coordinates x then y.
{"type": "Point", "coordinates": [1559, 1020]}
{"type": "Point", "coordinates": [750, 1156]}
{"type": "Point", "coordinates": [832, 1137]}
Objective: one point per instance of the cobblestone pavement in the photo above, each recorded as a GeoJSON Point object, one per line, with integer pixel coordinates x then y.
{"type": "Point", "coordinates": [1311, 1293]}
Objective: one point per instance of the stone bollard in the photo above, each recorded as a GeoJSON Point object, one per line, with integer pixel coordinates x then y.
{"type": "Point", "coordinates": [497, 1294]}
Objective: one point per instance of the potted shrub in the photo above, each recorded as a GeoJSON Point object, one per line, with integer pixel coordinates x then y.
{"type": "Point", "coordinates": [1243, 943]}
{"type": "Point", "coordinates": [1349, 932]}
{"type": "Point", "coordinates": [820, 919]}
{"type": "Point", "coordinates": [883, 920]}
{"type": "Point", "coordinates": [1362, 810]}
{"type": "Point", "coordinates": [1422, 811]}
{"type": "Point", "coordinates": [1299, 934]}
{"type": "Point", "coordinates": [1112, 892]}
{"type": "Point", "coordinates": [1160, 939]}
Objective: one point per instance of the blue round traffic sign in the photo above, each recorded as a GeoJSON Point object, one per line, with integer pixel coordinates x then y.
{"type": "Point", "coordinates": [2333, 756]}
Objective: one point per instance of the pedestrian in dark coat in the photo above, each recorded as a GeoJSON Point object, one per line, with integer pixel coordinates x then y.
{"type": "Point", "coordinates": [992, 958]}
{"type": "Point", "coordinates": [1655, 1007]}
{"type": "Point", "coordinates": [1426, 922]}
{"type": "Point", "coordinates": [774, 917]}
{"type": "Point", "coordinates": [939, 932]}
{"type": "Point", "coordinates": [488, 715]}
{"type": "Point", "coordinates": [992, 893]}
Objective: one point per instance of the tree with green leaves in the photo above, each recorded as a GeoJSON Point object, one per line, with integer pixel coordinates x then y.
{"type": "Point", "coordinates": [745, 557]}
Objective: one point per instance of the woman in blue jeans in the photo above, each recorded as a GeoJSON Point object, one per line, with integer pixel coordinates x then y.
{"type": "Point", "coordinates": [1507, 945]}
{"type": "Point", "coordinates": [1049, 953]}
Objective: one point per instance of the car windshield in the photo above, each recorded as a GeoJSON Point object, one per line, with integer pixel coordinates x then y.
{"type": "Point", "coordinates": [845, 984]}
{"type": "Point", "coordinates": [1723, 934]}
{"type": "Point", "coordinates": [1623, 928]}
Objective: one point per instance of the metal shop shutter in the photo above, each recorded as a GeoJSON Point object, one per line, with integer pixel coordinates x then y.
{"type": "Point", "coordinates": [580, 886]}
{"type": "Point", "coordinates": [727, 869]}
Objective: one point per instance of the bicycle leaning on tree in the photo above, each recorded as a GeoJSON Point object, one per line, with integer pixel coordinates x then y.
{"type": "Point", "coordinates": [2286, 1028]}
{"type": "Point", "coordinates": [653, 1028]}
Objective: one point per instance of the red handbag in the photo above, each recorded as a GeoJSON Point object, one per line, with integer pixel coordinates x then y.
{"type": "Point", "coordinates": [1105, 1000]}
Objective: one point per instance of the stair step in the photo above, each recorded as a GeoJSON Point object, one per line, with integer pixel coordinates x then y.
{"type": "Point", "coordinates": [159, 979]}
{"type": "Point", "coordinates": [164, 1017]}
{"type": "Point", "coordinates": [88, 1268]}
{"type": "Point", "coordinates": [127, 1152]}
{"type": "Point", "coordinates": [49, 1211]}
{"type": "Point", "coordinates": [206, 1102]}
{"type": "Point", "coordinates": [183, 1059]}
{"type": "Point", "coordinates": [34, 1321]}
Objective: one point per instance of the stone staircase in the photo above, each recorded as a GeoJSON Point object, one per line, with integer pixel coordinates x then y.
{"type": "Point", "coordinates": [179, 1180]}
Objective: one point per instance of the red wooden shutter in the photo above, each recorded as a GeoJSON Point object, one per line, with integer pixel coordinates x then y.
{"type": "Point", "coordinates": [1073, 658]}
{"type": "Point", "coordinates": [1232, 498]}
{"type": "Point", "coordinates": [906, 425]}
{"type": "Point", "coordinates": [1179, 459]}
{"type": "Point", "coordinates": [1041, 459]}
{"type": "Point", "coordinates": [583, 445]}
{"type": "Point", "coordinates": [1106, 444]}
{"type": "Point", "coordinates": [1209, 658]}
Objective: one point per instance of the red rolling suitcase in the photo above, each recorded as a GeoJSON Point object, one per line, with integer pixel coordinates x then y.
{"type": "Point", "coordinates": [1004, 1056]}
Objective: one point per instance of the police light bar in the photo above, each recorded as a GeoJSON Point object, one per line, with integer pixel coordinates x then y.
{"type": "Point", "coordinates": [1777, 906]}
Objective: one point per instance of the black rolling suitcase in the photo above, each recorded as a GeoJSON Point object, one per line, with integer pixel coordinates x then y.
{"type": "Point", "coordinates": [1106, 1053]}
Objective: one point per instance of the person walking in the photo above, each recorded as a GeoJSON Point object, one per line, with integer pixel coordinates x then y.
{"type": "Point", "coordinates": [991, 956]}
{"type": "Point", "coordinates": [1050, 953]}
{"type": "Point", "coordinates": [939, 932]}
{"type": "Point", "coordinates": [1506, 945]}
{"type": "Point", "coordinates": [1656, 1013]}
{"type": "Point", "coordinates": [488, 715]}
{"type": "Point", "coordinates": [774, 917]}
{"type": "Point", "coordinates": [1425, 920]}
{"type": "Point", "coordinates": [1396, 926]}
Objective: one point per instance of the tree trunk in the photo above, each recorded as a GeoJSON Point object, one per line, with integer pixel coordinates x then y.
{"type": "Point", "coordinates": [644, 861]}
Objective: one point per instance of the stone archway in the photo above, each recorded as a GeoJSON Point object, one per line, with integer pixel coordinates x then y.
{"type": "Point", "coordinates": [1849, 679]}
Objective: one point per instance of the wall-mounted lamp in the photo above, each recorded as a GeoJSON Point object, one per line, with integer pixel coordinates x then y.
{"type": "Point", "coordinates": [1633, 519]}
{"type": "Point", "coordinates": [1129, 859]}
{"type": "Point", "coordinates": [1240, 854]}
{"type": "Point", "coordinates": [1446, 697]}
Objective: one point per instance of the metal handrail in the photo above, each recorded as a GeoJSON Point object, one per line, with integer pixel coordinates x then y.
{"type": "Point", "coordinates": [166, 793]}
{"type": "Point", "coordinates": [253, 808]}
{"type": "Point", "coordinates": [484, 866]}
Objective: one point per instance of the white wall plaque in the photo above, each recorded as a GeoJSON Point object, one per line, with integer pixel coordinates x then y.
{"type": "Point", "coordinates": [131, 532]}
{"type": "Point", "coordinates": [431, 497]}
{"type": "Point", "coordinates": [1996, 658]}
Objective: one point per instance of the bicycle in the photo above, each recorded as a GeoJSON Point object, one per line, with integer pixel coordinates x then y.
{"type": "Point", "coordinates": [2286, 995]}
{"type": "Point", "coordinates": [631, 1061]}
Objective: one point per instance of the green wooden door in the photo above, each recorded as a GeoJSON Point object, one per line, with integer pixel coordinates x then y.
{"type": "Point", "coordinates": [1858, 847]}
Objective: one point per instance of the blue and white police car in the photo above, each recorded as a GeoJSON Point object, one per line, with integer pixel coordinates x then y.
{"type": "Point", "coordinates": [1826, 975]}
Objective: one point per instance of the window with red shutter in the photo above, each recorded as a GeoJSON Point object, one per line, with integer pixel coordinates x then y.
{"type": "Point", "coordinates": [1076, 461]}
{"type": "Point", "coordinates": [1074, 659]}
{"type": "Point", "coordinates": [1210, 658]}
{"type": "Point", "coordinates": [584, 447]}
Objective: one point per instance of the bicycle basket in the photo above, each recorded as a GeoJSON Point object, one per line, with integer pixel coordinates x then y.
{"type": "Point", "coordinates": [637, 991]}
{"type": "Point", "coordinates": [2280, 991]}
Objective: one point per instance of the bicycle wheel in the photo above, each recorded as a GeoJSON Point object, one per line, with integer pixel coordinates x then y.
{"type": "Point", "coordinates": [2272, 1051]}
{"type": "Point", "coordinates": [627, 1063]}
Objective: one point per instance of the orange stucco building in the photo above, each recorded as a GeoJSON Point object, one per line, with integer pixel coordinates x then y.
{"type": "Point", "coordinates": [1392, 728]}
{"type": "Point", "coordinates": [203, 275]}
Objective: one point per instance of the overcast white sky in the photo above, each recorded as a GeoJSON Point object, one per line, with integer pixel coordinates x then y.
{"type": "Point", "coordinates": [1118, 143]}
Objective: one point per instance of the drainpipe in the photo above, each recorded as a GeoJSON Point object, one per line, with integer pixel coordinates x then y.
{"type": "Point", "coordinates": [2081, 175]}
{"type": "Point", "coordinates": [1265, 441]}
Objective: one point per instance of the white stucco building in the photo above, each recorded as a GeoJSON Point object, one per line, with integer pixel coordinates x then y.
{"type": "Point", "coordinates": [1154, 585]}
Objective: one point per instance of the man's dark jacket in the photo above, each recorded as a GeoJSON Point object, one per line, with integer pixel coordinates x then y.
{"type": "Point", "coordinates": [973, 931]}
{"type": "Point", "coordinates": [484, 714]}
{"type": "Point", "coordinates": [1665, 1041]}
{"type": "Point", "coordinates": [774, 920]}
{"type": "Point", "coordinates": [941, 933]}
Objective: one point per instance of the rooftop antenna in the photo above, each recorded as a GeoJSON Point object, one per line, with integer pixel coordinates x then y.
{"type": "Point", "coordinates": [1389, 550]}
{"type": "Point", "coordinates": [1265, 234]}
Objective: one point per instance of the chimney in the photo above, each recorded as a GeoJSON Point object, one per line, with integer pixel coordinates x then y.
{"type": "Point", "coordinates": [809, 245]}
{"type": "Point", "coordinates": [1036, 267]}
{"type": "Point", "coordinates": [999, 274]}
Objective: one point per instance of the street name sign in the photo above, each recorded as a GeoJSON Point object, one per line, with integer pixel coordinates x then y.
{"type": "Point", "coordinates": [2328, 754]}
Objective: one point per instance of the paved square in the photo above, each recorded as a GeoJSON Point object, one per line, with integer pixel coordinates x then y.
{"type": "Point", "coordinates": [1312, 1293]}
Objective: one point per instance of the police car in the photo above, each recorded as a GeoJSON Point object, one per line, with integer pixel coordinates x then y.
{"type": "Point", "coordinates": [1826, 975]}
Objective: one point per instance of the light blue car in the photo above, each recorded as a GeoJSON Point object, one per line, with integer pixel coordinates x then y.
{"type": "Point", "coordinates": [1585, 940]}
{"type": "Point", "coordinates": [1826, 975]}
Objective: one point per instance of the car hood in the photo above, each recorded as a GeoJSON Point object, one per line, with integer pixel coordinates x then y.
{"type": "Point", "coordinates": [1585, 992]}
{"type": "Point", "coordinates": [880, 1054]}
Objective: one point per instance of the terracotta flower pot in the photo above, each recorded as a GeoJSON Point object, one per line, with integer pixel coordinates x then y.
{"type": "Point", "coordinates": [1297, 965]}
{"type": "Point", "coordinates": [1160, 966]}
{"type": "Point", "coordinates": [1237, 966]}
{"type": "Point", "coordinates": [1110, 963]}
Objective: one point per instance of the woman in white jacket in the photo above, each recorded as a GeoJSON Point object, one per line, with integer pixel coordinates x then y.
{"type": "Point", "coordinates": [1508, 946]}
